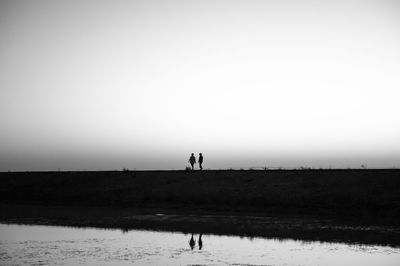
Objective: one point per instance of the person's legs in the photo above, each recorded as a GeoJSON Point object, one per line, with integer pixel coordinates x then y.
{"type": "Point", "coordinates": [192, 166]}
{"type": "Point", "coordinates": [201, 167]}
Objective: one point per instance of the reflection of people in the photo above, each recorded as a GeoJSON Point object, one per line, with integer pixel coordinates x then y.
{"type": "Point", "coordinates": [192, 242]}
{"type": "Point", "coordinates": [192, 160]}
{"type": "Point", "coordinates": [200, 160]}
{"type": "Point", "coordinates": [200, 241]}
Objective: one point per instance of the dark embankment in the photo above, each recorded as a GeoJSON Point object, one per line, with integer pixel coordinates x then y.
{"type": "Point", "coordinates": [373, 194]}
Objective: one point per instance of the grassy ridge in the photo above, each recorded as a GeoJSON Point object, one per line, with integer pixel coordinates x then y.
{"type": "Point", "coordinates": [369, 192]}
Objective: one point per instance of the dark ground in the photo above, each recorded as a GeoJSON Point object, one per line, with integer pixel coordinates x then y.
{"type": "Point", "coordinates": [358, 206]}
{"type": "Point", "coordinates": [374, 193]}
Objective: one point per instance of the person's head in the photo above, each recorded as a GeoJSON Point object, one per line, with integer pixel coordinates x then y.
{"type": "Point", "coordinates": [192, 154]}
{"type": "Point", "coordinates": [200, 153]}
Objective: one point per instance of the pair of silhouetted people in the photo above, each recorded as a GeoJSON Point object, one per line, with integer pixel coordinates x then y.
{"type": "Point", "coordinates": [192, 242]}
{"type": "Point", "coordinates": [192, 161]}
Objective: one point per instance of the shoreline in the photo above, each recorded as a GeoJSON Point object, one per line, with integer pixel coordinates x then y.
{"type": "Point", "coordinates": [297, 227]}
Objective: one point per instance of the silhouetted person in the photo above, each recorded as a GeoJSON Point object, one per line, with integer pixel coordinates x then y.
{"type": "Point", "coordinates": [192, 160]}
{"type": "Point", "coordinates": [200, 160]}
{"type": "Point", "coordinates": [200, 241]}
{"type": "Point", "coordinates": [192, 242]}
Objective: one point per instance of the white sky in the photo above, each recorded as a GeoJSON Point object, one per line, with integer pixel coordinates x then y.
{"type": "Point", "coordinates": [142, 84]}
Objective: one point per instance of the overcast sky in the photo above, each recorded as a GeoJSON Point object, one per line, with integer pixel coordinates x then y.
{"type": "Point", "coordinates": [142, 84]}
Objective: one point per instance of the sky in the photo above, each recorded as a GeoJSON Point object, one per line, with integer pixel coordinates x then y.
{"type": "Point", "coordinates": [106, 85]}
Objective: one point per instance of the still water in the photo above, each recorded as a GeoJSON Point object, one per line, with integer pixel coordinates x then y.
{"type": "Point", "coordinates": [54, 245]}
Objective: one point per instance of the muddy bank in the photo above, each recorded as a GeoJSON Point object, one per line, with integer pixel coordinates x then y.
{"type": "Point", "coordinates": [359, 193]}
{"type": "Point", "coordinates": [300, 227]}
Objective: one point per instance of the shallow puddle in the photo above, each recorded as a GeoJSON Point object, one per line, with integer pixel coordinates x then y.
{"type": "Point", "coordinates": [55, 245]}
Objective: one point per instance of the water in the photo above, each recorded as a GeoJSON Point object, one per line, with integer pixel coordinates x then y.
{"type": "Point", "coordinates": [54, 245]}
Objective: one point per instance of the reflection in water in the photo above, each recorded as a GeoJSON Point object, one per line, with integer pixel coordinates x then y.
{"type": "Point", "coordinates": [200, 242]}
{"type": "Point", "coordinates": [51, 245]}
{"type": "Point", "coordinates": [192, 242]}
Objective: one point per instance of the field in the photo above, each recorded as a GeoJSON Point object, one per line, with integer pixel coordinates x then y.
{"type": "Point", "coordinates": [366, 193]}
